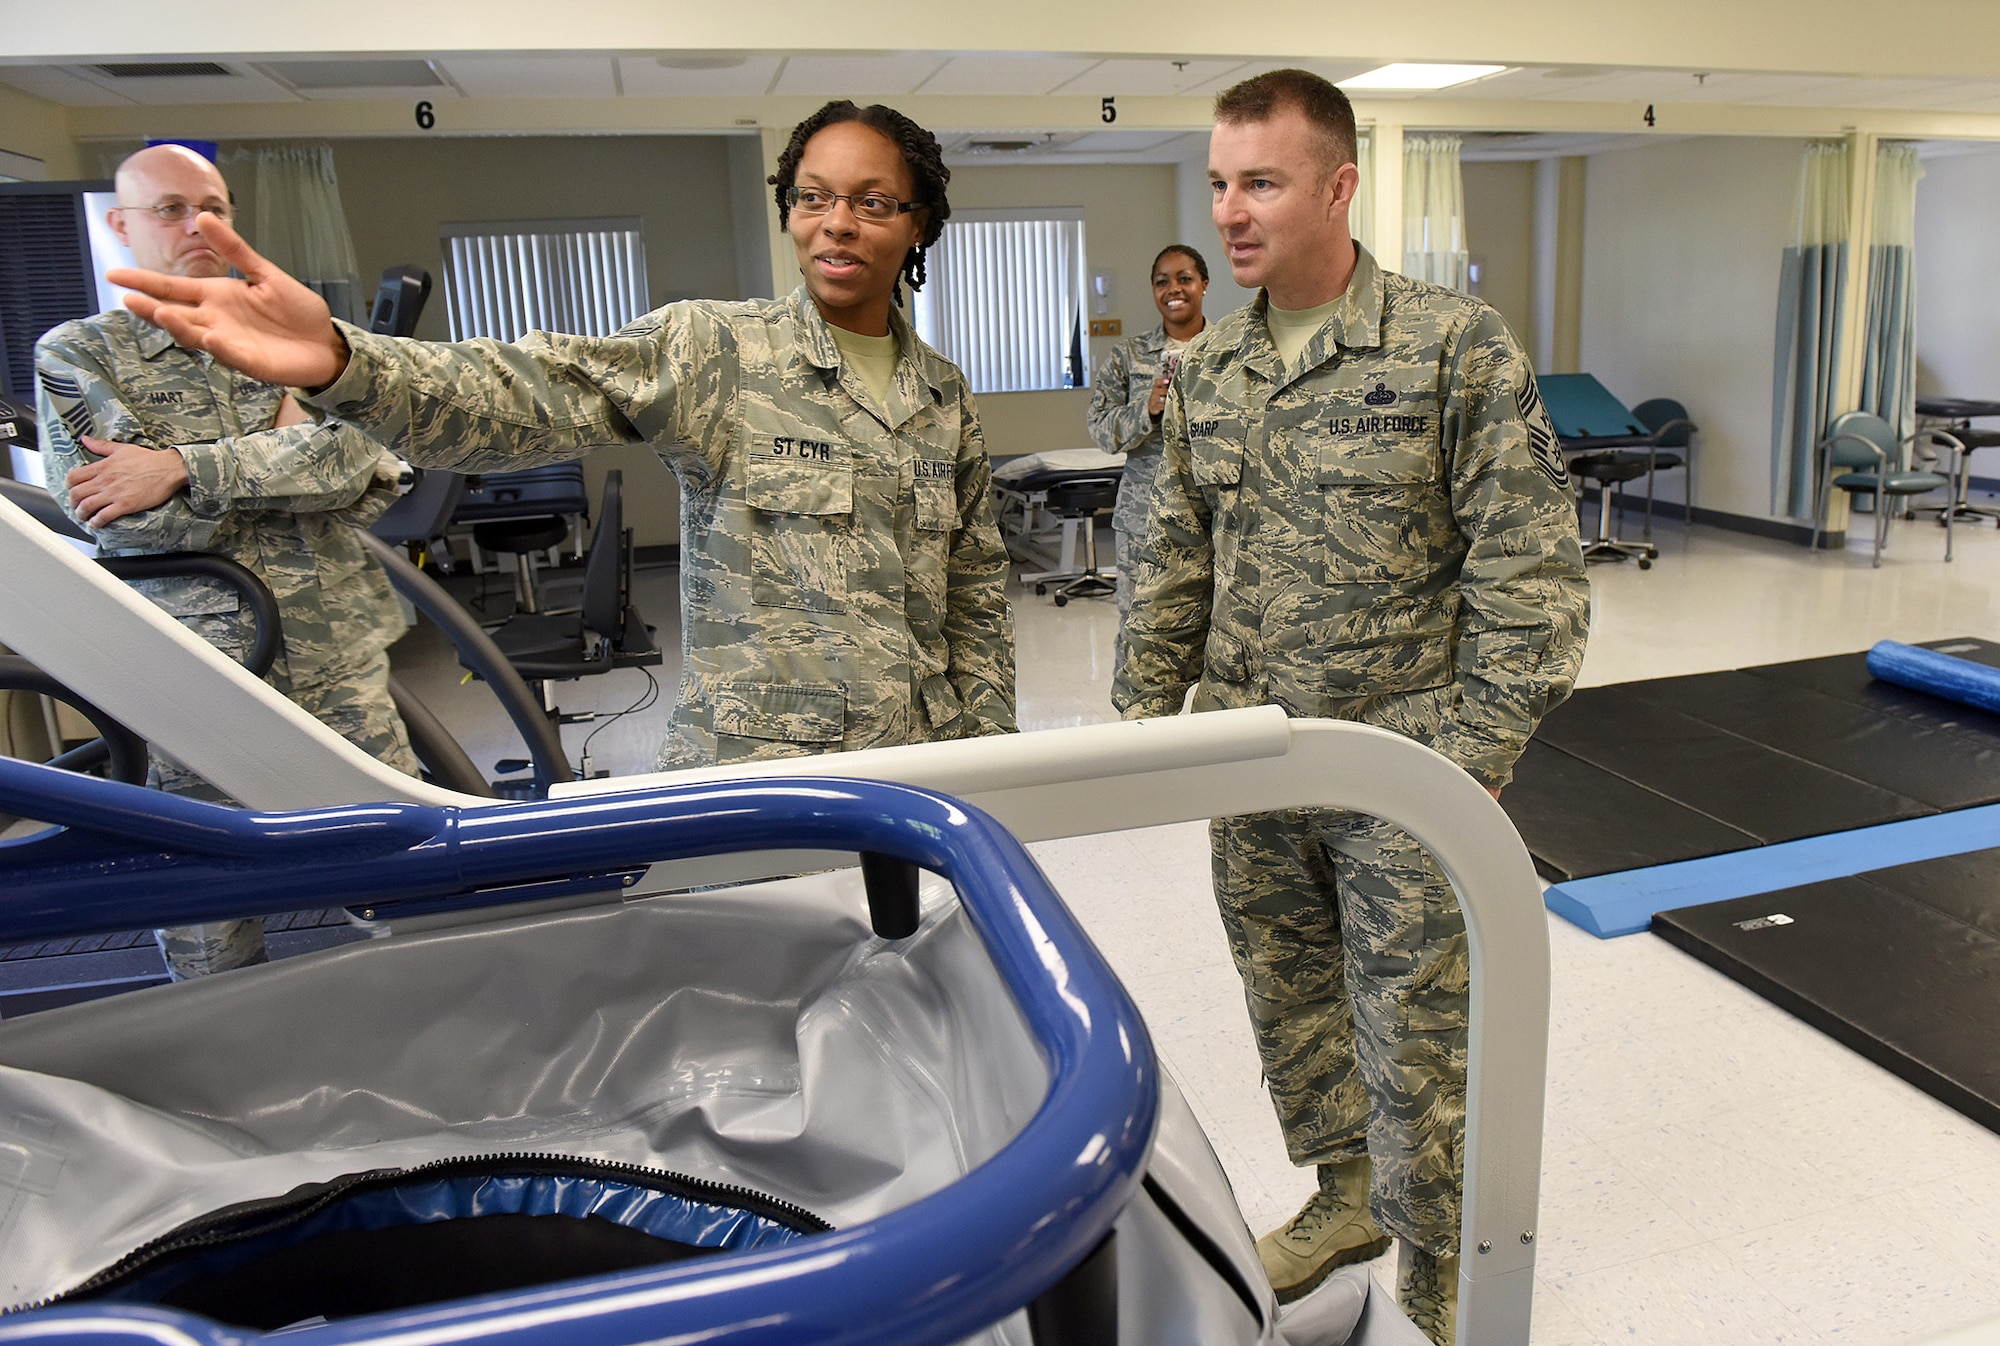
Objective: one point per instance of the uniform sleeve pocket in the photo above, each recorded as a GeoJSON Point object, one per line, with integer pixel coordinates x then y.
{"type": "Point", "coordinates": [782, 712]}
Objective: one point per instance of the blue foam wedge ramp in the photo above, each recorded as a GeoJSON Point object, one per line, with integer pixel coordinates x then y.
{"type": "Point", "coordinates": [1944, 675]}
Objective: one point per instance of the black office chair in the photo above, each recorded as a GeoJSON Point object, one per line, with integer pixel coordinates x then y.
{"type": "Point", "coordinates": [1083, 498]}
{"type": "Point", "coordinates": [607, 632]}
{"type": "Point", "coordinates": [523, 514]}
{"type": "Point", "coordinates": [1673, 446]}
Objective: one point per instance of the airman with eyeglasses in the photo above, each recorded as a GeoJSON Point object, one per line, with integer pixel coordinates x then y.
{"type": "Point", "coordinates": [174, 212]}
{"type": "Point", "coordinates": [155, 448]}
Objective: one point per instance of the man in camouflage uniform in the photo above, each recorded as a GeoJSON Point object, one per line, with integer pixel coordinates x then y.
{"type": "Point", "coordinates": [1128, 397]}
{"type": "Point", "coordinates": [1361, 515]}
{"type": "Point", "coordinates": [159, 449]}
{"type": "Point", "coordinates": [842, 577]}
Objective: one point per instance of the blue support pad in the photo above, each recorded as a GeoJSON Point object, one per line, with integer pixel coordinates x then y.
{"type": "Point", "coordinates": [1623, 904]}
{"type": "Point", "coordinates": [1943, 675]}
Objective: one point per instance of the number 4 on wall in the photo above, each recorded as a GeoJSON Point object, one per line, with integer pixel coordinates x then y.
{"type": "Point", "coordinates": [1650, 120]}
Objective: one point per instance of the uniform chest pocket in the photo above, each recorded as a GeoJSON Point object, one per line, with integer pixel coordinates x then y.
{"type": "Point", "coordinates": [1384, 512]}
{"type": "Point", "coordinates": [934, 496]}
{"type": "Point", "coordinates": [800, 495]}
{"type": "Point", "coordinates": [1215, 452]}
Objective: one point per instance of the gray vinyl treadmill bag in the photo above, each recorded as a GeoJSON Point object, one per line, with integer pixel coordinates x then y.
{"type": "Point", "coordinates": [760, 1037]}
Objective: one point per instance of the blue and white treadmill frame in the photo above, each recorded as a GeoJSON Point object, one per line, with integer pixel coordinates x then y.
{"type": "Point", "coordinates": [93, 634]}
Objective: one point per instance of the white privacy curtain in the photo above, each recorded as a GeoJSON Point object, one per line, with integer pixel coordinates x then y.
{"type": "Point", "coordinates": [582, 277]}
{"type": "Point", "coordinates": [298, 222]}
{"type": "Point", "coordinates": [1889, 351]}
{"type": "Point", "coordinates": [1361, 214]}
{"type": "Point", "coordinates": [1811, 300]}
{"type": "Point", "coordinates": [1004, 299]}
{"type": "Point", "coordinates": [1434, 246]}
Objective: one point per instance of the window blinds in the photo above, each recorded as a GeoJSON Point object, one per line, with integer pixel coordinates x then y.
{"type": "Point", "coordinates": [585, 277]}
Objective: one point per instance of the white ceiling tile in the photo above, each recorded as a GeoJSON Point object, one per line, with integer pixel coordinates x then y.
{"type": "Point", "coordinates": [532, 76]}
{"type": "Point", "coordinates": [1157, 77]}
{"type": "Point", "coordinates": [60, 86]}
{"type": "Point", "coordinates": [1122, 142]}
{"type": "Point", "coordinates": [887, 75]}
{"type": "Point", "coordinates": [1006, 73]}
{"type": "Point", "coordinates": [244, 85]}
{"type": "Point", "coordinates": [645, 77]}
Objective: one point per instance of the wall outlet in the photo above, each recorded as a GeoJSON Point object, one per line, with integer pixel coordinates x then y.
{"type": "Point", "coordinates": [1106, 327]}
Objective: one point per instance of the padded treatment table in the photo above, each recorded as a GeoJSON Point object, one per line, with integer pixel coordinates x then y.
{"type": "Point", "coordinates": [1900, 964]}
{"type": "Point", "coordinates": [1639, 774]}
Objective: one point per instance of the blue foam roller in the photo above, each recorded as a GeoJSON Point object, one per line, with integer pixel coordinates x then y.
{"type": "Point", "coordinates": [1944, 675]}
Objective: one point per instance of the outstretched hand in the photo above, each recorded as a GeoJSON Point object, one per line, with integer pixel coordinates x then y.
{"type": "Point", "coordinates": [266, 325]}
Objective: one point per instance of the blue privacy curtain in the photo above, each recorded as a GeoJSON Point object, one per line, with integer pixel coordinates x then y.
{"type": "Point", "coordinates": [1889, 355]}
{"type": "Point", "coordinates": [1811, 300]}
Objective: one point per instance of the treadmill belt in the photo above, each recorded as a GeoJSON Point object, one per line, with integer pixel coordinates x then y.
{"type": "Point", "coordinates": [1640, 774]}
{"type": "Point", "coordinates": [1900, 964]}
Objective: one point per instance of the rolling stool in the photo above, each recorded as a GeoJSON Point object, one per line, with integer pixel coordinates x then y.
{"type": "Point", "coordinates": [1084, 498]}
{"type": "Point", "coordinates": [1608, 470]}
{"type": "Point", "coordinates": [522, 537]}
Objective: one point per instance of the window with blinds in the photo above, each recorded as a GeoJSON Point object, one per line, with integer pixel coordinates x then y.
{"type": "Point", "coordinates": [1004, 300]}
{"type": "Point", "coordinates": [503, 280]}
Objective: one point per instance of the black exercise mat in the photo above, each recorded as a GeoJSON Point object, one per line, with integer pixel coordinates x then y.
{"type": "Point", "coordinates": [1935, 766]}
{"type": "Point", "coordinates": [1757, 789]}
{"type": "Point", "coordinates": [1581, 819]}
{"type": "Point", "coordinates": [1671, 769]}
{"type": "Point", "coordinates": [1902, 965]}
{"type": "Point", "coordinates": [1845, 677]}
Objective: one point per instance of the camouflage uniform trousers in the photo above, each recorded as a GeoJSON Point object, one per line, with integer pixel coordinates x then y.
{"type": "Point", "coordinates": [1352, 951]}
{"type": "Point", "coordinates": [1127, 545]}
{"type": "Point", "coordinates": [354, 702]}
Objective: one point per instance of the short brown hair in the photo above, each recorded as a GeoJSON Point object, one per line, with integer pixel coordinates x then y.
{"type": "Point", "coordinates": [1324, 107]}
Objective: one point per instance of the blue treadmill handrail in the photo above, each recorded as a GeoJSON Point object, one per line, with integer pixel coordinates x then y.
{"type": "Point", "coordinates": [935, 1271]}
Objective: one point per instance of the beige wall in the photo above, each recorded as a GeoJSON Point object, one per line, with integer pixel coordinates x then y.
{"type": "Point", "coordinates": [1682, 243]}
{"type": "Point", "coordinates": [40, 130]}
{"type": "Point", "coordinates": [1129, 214]}
{"type": "Point", "coordinates": [1500, 231]}
{"type": "Point", "coordinates": [397, 192]}
{"type": "Point", "coordinates": [1958, 274]}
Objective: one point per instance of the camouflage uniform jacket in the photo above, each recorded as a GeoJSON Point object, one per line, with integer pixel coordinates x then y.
{"type": "Point", "coordinates": [842, 579]}
{"type": "Point", "coordinates": [1388, 524]}
{"type": "Point", "coordinates": [1120, 423]}
{"type": "Point", "coordinates": [285, 503]}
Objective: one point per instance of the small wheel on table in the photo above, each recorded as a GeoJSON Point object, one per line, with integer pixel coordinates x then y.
{"type": "Point", "coordinates": [1041, 589]}
{"type": "Point", "coordinates": [1062, 600]}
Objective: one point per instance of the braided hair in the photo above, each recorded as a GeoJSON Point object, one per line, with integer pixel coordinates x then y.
{"type": "Point", "coordinates": [921, 155]}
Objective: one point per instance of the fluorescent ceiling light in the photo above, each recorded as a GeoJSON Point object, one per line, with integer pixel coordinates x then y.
{"type": "Point", "coordinates": [1413, 75]}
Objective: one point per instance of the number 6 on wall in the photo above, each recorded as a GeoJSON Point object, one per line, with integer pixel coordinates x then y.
{"type": "Point", "coordinates": [425, 117]}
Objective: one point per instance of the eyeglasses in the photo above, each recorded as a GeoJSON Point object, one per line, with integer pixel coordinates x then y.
{"type": "Point", "coordinates": [173, 212]}
{"type": "Point", "coordinates": [872, 206]}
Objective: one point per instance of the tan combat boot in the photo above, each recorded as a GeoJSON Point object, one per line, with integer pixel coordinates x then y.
{"type": "Point", "coordinates": [1333, 1230]}
{"type": "Point", "coordinates": [1427, 1288]}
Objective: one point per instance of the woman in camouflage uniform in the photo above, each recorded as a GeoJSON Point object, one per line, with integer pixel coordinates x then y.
{"type": "Point", "coordinates": [841, 574]}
